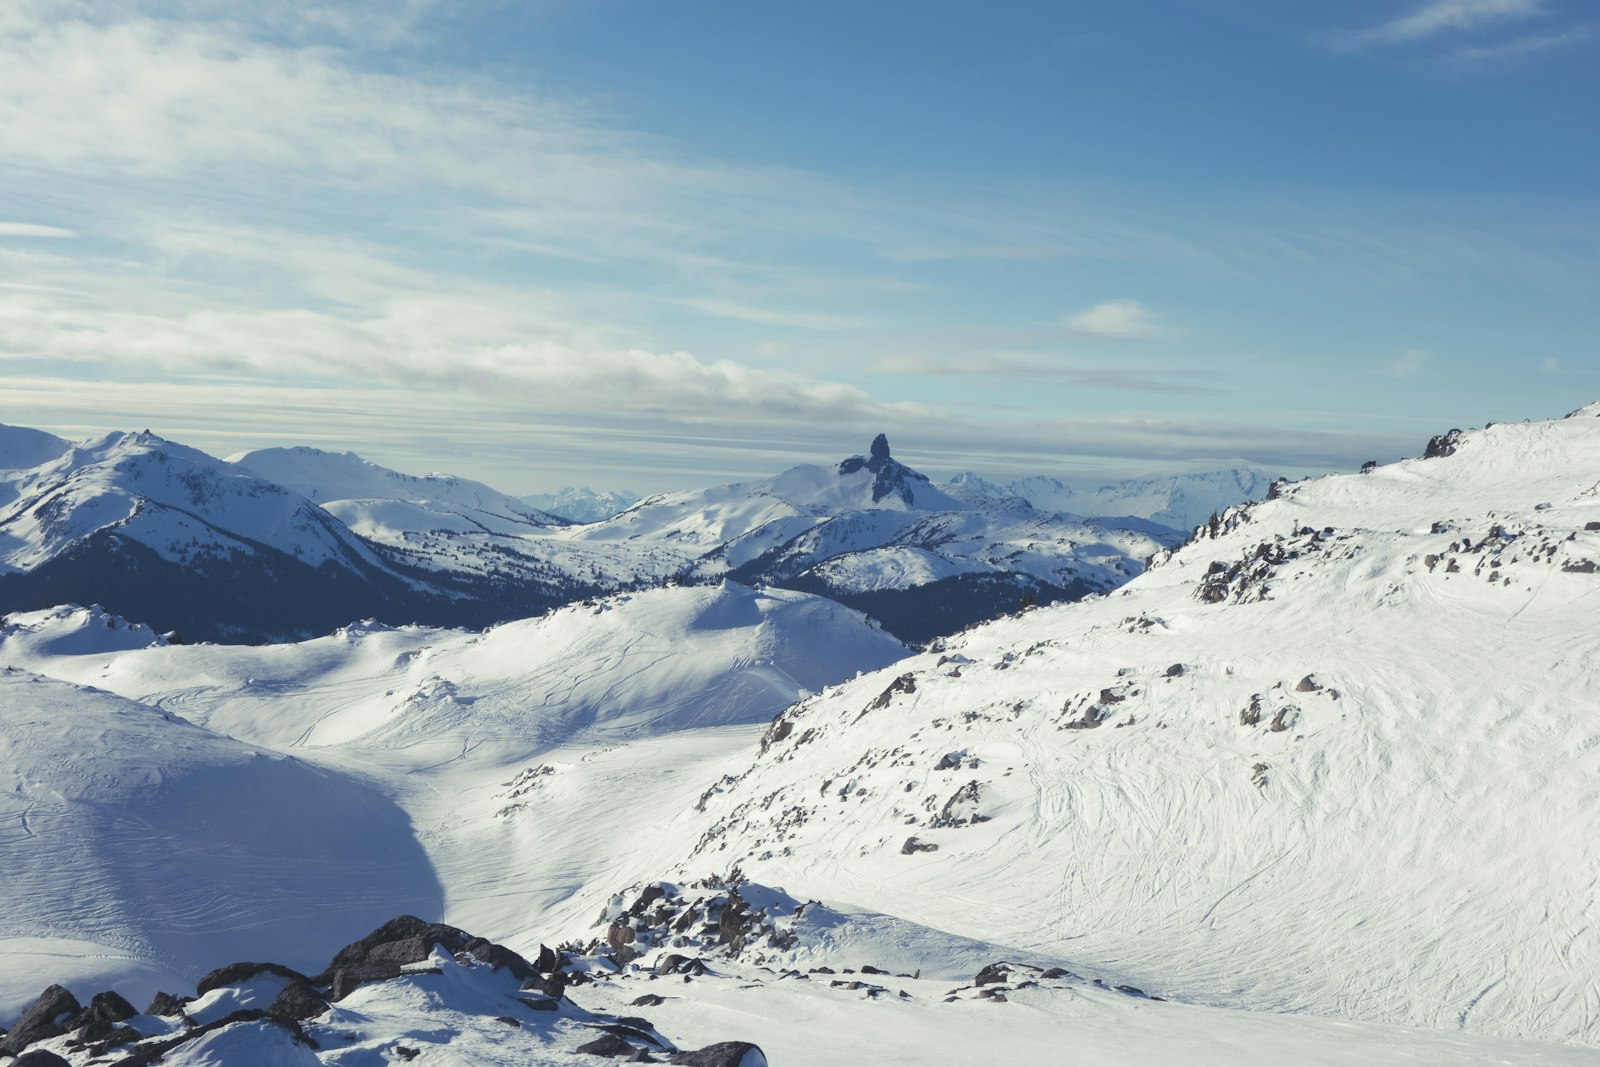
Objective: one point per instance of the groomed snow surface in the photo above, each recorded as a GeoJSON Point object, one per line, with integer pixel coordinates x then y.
{"type": "Point", "coordinates": [1327, 780]}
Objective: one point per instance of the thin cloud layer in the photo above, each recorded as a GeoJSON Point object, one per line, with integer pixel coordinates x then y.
{"type": "Point", "coordinates": [1451, 16]}
{"type": "Point", "coordinates": [284, 210]}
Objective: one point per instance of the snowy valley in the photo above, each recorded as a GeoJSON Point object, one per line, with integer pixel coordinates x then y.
{"type": "Point", "coordinates": [1318, 785]}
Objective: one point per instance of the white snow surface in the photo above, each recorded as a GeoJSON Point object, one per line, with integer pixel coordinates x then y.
{"type": "Point", "coordinates": [1412, 844]}
{"type": "Point", "coordinates": [167, 847]}
{"type": "Point", "coordinates": [528, 743]}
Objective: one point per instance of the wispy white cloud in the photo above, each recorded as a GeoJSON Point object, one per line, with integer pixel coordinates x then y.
{"type": "Point", "coordinates": [1519, 47]}
{"type": "Point", "coordinates": [1448, 16]}
{"type": "Point", "coordinates": [1126, 320]}
{"type": "Point", "coordinates": [520, 451]}
{"type": "Point", "coordinates": [272, 229]}
{"type": "Point", "coordinates": [33, 229]}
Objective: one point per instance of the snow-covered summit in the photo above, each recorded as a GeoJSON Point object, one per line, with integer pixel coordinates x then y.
{"type": "Point", "coordinates": [325, 477]}
{"type": "Point", "coordinates": [581, 504]}
{"type": "Point", "coordinates": [174, 500]}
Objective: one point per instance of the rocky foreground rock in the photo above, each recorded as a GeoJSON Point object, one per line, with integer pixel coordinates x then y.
{"type": "Point", "coordinates": [405, 986]}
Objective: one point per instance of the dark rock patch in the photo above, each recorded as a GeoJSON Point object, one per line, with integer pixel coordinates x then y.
{"type": "Point", "coordinates": [722, 1054]}
{"type": "Point", "coordinates": [1444, 444]}
{"type": "Point", "coordinates": [297, 1001]}
{"type": "Point", "coordinates": [237, 973]}
{"type": "Point", "coordinates": [163, 1004]}
{"type": "Point", "coordinates": [610, 1046]}
{"type": "Point", "coordinates": [41, 1020]}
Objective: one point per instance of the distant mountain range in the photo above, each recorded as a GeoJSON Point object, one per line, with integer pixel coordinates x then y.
{"type": "Point", "coordinates": [285, 543]}
{"type": "Point", "coordinates": [582, 505]}
{"type": "Point", "coordinates": [1180, 501]}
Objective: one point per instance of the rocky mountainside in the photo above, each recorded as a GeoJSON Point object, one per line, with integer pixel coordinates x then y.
{"type": "Point", "coordinates": [1336, 755]}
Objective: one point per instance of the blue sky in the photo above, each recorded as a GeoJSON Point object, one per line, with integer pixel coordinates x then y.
{"type": "Point", "coordinates": [654, 245]}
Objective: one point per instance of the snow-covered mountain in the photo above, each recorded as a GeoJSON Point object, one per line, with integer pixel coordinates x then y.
{"type": "Point", "coordinates": [877, 535]}
{"type": "Point", "coordinates": [330, 477]}
{"type": "Point", "coordinates": [1334, 757]}
{"type": "Point", "coordinates": [1178, 501]}
{"type": "Point", "coordinates": [1337, 755]}
{"type": "Point", "coordinates": [194, 544]}
{"type": "Point", "coordinates": [288, 542]}
{"type": "Point", "coordinates": [581, 504]}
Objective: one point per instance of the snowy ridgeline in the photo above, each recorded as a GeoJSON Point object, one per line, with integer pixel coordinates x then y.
{"type": "Point", "coordinates": [1332, 760]}
{"type": "Point", "coordinates": [284, 543]}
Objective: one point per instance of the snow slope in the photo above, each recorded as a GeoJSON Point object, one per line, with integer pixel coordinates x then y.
{"type": "Point", "coordinates": [1339, 755]}
{"type": "Point", "coordinates": [536, 745]}
{"type": "Point", "coordinates": [138, 848]}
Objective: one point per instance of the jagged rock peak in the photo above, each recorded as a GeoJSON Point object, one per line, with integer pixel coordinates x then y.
{"type": "Point", "coordinates": [880, 447]}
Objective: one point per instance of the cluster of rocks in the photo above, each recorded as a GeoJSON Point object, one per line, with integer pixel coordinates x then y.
{"type": "Point", "coordinates": [715, 917]}
{"type": "Point", "coordinates": [1247, 579]}
{"type": "Point", "coordinates": [1503, 547]}
{"type": "Point", "coordinates": [405, 946]}
{"type": "Point", "coordinates": [995, 981]}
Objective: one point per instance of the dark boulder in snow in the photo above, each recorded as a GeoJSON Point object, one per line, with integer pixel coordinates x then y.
{"type": "Point", "coordinates": [166, 1004]}
{"type": "Point", "coordinates": [234, 973]}
{"type": "Point", "coordinates": [498, 956]}
{"type": "Point", "coordinates": [995, 973]}
{"type": "Point", "coordinates": [42, 1019]}
{"type": "Point", "coordinates": [297, 1001]}
{"type": "Point", "coordinates": [385, 953]}
{"type": "Point", "coordinates": [1442, 445]}
{"type": "Point", "coordinates": [40, 1058]}
{"type": "Point", "coordinates": [610, 1046]}
{"type": "Point", "coordinates": [723, 1054]}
